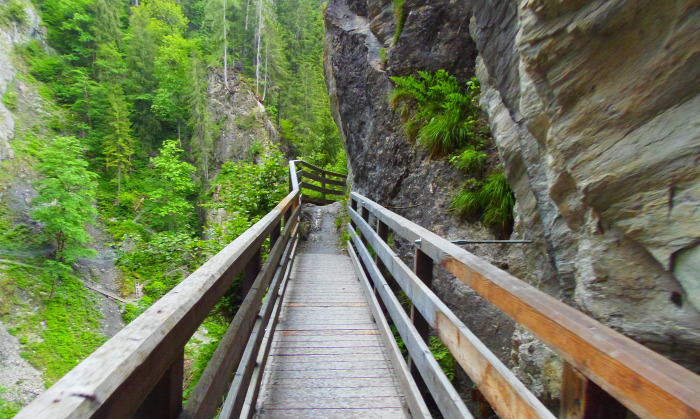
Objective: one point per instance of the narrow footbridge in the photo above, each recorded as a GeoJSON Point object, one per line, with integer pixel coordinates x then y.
{"type": "Point", "coordinates": [313, 336]}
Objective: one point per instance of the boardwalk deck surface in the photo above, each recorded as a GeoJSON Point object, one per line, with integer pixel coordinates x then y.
{"type": "Point", "coordinates": [327, 359]}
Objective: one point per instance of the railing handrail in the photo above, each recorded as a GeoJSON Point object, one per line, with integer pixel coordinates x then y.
{"type": "Point", "coordinates": [642, 380]}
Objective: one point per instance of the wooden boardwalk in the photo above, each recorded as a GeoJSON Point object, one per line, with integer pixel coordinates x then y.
{"type": "Point", "coordinates": [327, 359]}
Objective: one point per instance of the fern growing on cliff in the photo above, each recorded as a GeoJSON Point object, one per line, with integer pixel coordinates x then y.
{"type": "Point", "coordinates": [437, 112]}
{"type": "Point", "coordinates": [493, 199]}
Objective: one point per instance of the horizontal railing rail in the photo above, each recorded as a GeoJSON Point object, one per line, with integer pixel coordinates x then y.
{"type": "Point", "coordinates": [139, 372]}
{"type": "Point", "coordinates": [599, 362]}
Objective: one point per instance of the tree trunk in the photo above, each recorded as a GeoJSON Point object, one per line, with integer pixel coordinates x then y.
{"type": "Point", "coordinates": [225, 48]}
{"type": "Point", "coordinates": [257, 60]}
{"type": "Point", "coordinates": [265, 79]}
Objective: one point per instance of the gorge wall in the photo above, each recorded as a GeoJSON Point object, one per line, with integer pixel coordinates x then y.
{"type": "Point", "coordinates": [593, 108]}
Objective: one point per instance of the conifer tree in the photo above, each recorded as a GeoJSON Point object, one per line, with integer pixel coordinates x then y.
{"type": "Point", "coordinates": [118, 145]}
{"type": "Point", "coordinates": [202, 142]}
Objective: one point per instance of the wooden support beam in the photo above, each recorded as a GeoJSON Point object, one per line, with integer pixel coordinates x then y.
{"type": "Point", "coordinates": [414, 398]}
{"type": "Point", "coordinates": [448, 400]}
{"type": "Point", "coordinates": [305, 185]}
{"type": "Point", "coordinates": [165, 400]}
{"type": "Point", "coordinates": [423, 268]}
{"type": "Point", "coordinates": [320, 178]}
{"type": "Point", "coordinates": [581, 398]}
{"type": "Point", "coordinates": [251, 271]}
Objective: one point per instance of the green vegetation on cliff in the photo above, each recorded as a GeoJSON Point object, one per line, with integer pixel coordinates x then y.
{"type": "Point", "coordinates": [444, 117]}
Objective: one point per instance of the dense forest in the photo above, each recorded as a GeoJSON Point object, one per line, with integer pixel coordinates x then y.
{"type": "Point", "coordinates": [124, 139]}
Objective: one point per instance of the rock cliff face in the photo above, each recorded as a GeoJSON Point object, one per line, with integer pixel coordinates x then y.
{"type": "Point", "coordinates": [384, 166]}
{"type": "Point", "coordinates": [593, 108]}
{"type": "Point", "coordinates": [239, 116]}
{"type": "Point", "coordinates": [11, 35]}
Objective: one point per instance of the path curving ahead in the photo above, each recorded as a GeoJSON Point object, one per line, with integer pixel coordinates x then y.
{"type": "Point", "coordinates": [327, 358]}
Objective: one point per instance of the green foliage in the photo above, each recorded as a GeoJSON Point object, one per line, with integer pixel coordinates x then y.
{"type": "Point", "coordinates": [492, 198]}
{"type": "Point", "coordinates": [438, 112]}
{"type": "Point", "coordinates": [10, 98]}
{"type": "Point", "coordinates": [118, 144]}
{"type": "Point", "coordinates": [173, 187]}
{"type": "Point", "coordinates": [12, 11]}
{"type": "Point", "coordinates": [71, 330]}
{"type": "Point", "coordinates": [400, 14]}
{"type": "Point", "coordinates": [470, 160]}
{"type": "Point", "coordinates": [65, 198]}
{"type": "Point", "coordinates": [7, 409]}
{"type": "Point", "coordinates": [443, 356]}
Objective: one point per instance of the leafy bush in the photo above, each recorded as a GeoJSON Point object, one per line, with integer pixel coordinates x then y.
{"type": "Point", "coordinates": [438, 112]}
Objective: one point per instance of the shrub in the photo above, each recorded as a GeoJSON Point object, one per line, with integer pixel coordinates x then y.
{"type": "Point", "coordinates": [493, 199]}
{"type": "Point", "coordinates": [438, 112]}
{"type": "Point", "coordinates": [13, 11]}
{"type": "Point", "coordinates": [470, 160]}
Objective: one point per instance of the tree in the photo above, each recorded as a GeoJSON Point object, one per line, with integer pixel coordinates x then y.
{"type": "Point", "coordinates": [174, 184]}
{"type": "Point", "coordinates": [118, 144]}
{"type": "Point", "coordinates": [217, 14]}
{"type": "Point", "coordinates": [202, 142]}
{"type": "Point", "coordinates": [171, 70]}
{"type": "Point", "coordinates": [107, 23]}
{"type": "Point", "coordinates": [64, 203]}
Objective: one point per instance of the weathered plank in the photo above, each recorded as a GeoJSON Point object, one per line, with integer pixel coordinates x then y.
{"type": "Point", "coordinates": [325, 172]}
{"type": "Point", "coordinates": [317, 178]}
{"type": "Point", "coordinates": [448, 400]}
{"type": "Point", "coordinates": [312, 187]}
{"type": "Point", "coordinates": [321, 348]}
{"type": "Point", "coordinates": [254, 388]}
{"type": "Point", "coordinates": [506, 394]}
{"type": "Point", "coordinates": [335, 403]}
{"type": "Point", "coordinates": [345, 413]}
{"type": "Point", "coordinates": [644, 381]}
{"type": "Point", "coordinates": [118, 376]}
{"type": "Point", "coordinates": [238, 390]}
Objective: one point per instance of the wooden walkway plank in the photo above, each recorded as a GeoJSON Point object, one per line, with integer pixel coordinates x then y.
{"type": "Point", "coordinates": [327, 359]}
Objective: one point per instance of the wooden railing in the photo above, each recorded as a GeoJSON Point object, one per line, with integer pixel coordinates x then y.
{"type": "Point", "coordinates": [605, 373]}
{"type": "Point", "coordinates": [329, 183]}
{"type": "Point", "coordinates": [139, 372]}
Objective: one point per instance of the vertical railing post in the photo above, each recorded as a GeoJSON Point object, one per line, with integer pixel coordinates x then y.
{"type": "Point", "coordinates": [251, 271]}
{"type": "Point", "coordinates": [364, 213]}
{"type": "Point", "coordinates": [275, 234]}
{"type": "Point", "coordinates": [353, 205]}
{"type": "Point", "coordinates": [423, 267]}
{"type": "Point", "coordinates": [383, 233]}
{"type": "Point", "coordinates": [582, 398]}
{"type": "Point", "coordinates": [165, 400]}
